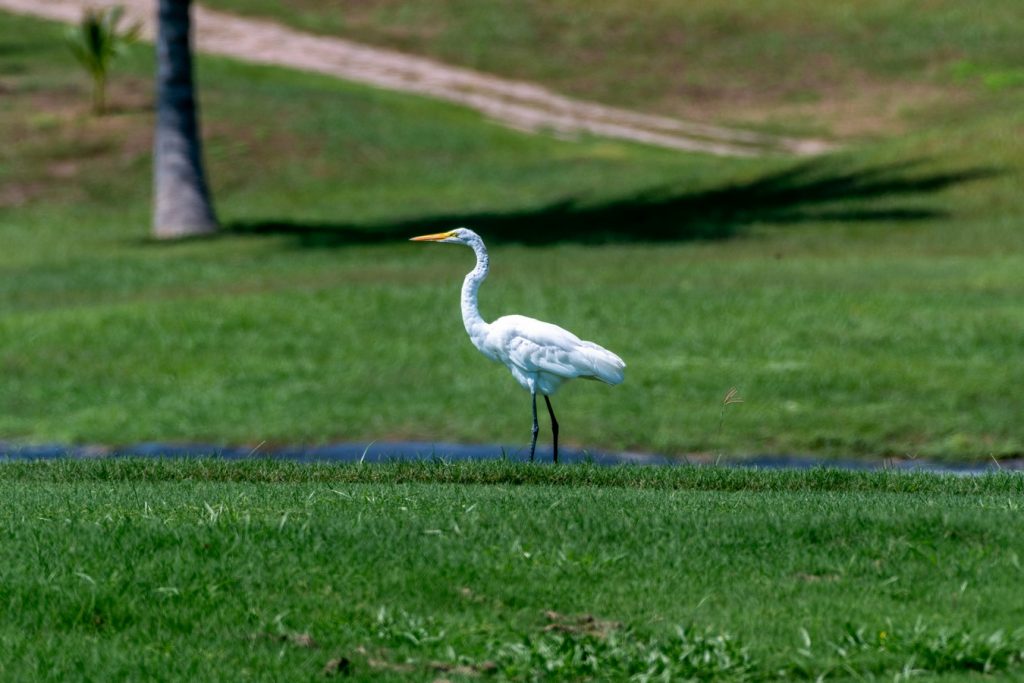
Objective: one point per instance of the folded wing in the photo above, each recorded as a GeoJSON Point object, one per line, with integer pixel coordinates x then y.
{"type": "Point", "coordinates": [536, 346]}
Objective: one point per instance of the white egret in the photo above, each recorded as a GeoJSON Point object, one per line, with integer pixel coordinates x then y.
{"type": "Point", "coordinates": [540, 355]}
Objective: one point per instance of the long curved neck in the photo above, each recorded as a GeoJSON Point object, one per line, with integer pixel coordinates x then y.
{"type": "Point", "coordinates": [471, 318]}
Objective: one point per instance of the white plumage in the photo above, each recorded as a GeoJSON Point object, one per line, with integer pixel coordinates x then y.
{"type": "Point", "coordinates": [547, 355]}
{"type": "Point", "coordinates": [541, 356]}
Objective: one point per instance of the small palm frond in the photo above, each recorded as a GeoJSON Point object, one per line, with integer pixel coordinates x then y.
{"type": "Point", "coordinates": [95, 41]}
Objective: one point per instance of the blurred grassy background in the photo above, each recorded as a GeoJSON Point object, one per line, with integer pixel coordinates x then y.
{"type": "Point", "coordinates": [851, 68]}
{"type": "Point", "coordinates": [868, 303]}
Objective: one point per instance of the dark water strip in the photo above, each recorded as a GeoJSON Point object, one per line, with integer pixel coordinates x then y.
{"type": "Point", "coordinates": [415, 450]}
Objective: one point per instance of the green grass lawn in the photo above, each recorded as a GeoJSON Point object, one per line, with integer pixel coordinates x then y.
{"type": "Point", "coordinates": [850, 69]}
{"type": "Point", "coordinates": [868, 303]}
{"type": "Point", "coordinates": [123, 570]}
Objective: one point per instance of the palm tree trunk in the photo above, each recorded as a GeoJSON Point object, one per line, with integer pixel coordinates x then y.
{"type": "Point", "coordinates": [182, 201]}
{"type": "Point", "coordinates": [99, 94]}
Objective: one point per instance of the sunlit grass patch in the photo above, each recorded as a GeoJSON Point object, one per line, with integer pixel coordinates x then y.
{"type": "Point", "coordinates": [908, 651]}
{"type": "Point", "coordinates": [692, 653]}
{"type": "Point", "coordinates": [214, 570]}
{"type": "Point", "coordinates": [862, 305]}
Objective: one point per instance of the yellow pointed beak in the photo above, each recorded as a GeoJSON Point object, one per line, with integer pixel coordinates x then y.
{"type": "Point", "coordinates": [436, 237]}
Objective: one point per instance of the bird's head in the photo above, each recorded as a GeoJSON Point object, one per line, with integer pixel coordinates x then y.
{"type": "Point", "coordinates": [456, 236]}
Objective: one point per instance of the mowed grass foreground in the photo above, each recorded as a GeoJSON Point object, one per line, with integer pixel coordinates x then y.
{"type": "Point", "coordinates": [162, 570]}
{"type": "Point", "coordinates": [862, 304]}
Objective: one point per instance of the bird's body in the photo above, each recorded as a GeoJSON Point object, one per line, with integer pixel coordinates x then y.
{"type": "Point", "coordinates": [541, 356]}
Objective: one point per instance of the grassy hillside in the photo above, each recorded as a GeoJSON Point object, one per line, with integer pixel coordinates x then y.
{"type": "Point", "coordinates": [863, 68]}
{"type": "Point", "coordinates": [863, 304]}
{"type": "Point", "coordinates": [261, 571]}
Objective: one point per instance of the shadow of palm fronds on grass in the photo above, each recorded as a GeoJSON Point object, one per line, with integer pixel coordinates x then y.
{"type": "Point", "coordinates": [811, 191]}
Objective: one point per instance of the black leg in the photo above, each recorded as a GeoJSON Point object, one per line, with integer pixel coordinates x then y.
{"type": "Point", "coordinates": [536, 428]}
{"type": "Point", "coordinates": [554, 425]}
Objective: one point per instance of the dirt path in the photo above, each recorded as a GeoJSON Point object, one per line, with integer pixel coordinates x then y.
{"type": "Point", "coordinates": [520, 105]}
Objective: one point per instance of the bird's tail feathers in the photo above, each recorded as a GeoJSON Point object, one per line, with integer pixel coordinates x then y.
{"type": "Point", "coordinates": [607, 367]}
